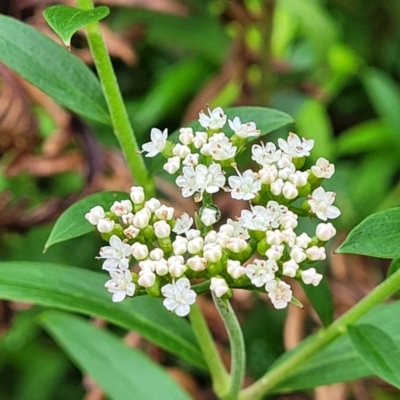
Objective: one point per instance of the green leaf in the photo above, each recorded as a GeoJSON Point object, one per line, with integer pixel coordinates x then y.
{"type": "Point", "coordinates": [66, 20]}
{"type": "Point", "coordinates": [122, 372]}
{"type": "Point", "coordinates": [339, 362]}
{"type": "Point", "coordinates": [377, 236]}
{"type": "Point", "coordinates": [78, 290]}
{"type": "Point", "coordinates": [378, 351]}
{"type": "Point", "coordinates": [51, 68]}
{"type": "Point", "coordinates": [394, 267]}
{"type": "Point", "coordinates": [72, 222]}
{"type": "Point", "coordinates": [320, 298]}
{"type": "Point", "coordinates": [267, 120]}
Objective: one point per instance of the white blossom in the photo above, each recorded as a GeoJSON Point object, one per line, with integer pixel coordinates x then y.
{"type": "Point", "coordinates": [268, 174]}
{"type": "Point", "coordinates": [321, 204]}
{"type": "Point", "coordinates": [116, 255]}
{"type": "Point", "coordinates": [179, 245]}
{"type": "Point", "coordinates": [297, 254]}
{"type": "Point", "coordinates": [279, 292]}
{"type": "Point", "coordinates": [187, 181]}
{"type": "Point", "coordinates": [261, 271]}
{"type": "Point", "coordinates": [176, 266]}
{"type": "Point", "coordinates": [212, 252]}
{"type": "Point", "coordinates": [120, 208]}
{"type": "Point", "coordinates": [238, 228]}
{"type": "Point", "coordinates": [156, 254]}
{"type": "Point", "coordinates": [183, 223]}
{"type": "Point", "coordinates": [289, 191]}
{"type": "Point", "coordinates": [164, 212]}
{"type": "Point", "coordinates": [147, 278]}
{"type": "Point", "coordinates": [311, 277]}
{"type": "Point", "coordinates": [131, 232]}
{"type": "Point", "coordinates": [178, 297]}
{"type": "Point", "coordinates": [142, 218]}
{"type": "Point", "coordinates": [262, 218]}
{"type": "Point", "coordinates": [323, 169]}
{"type": "Point", "coordinates": [158, 142]}
{"type": "Point", "coordinates": [120, 285]}
{"type": "Point", "coordinates": [209, 179]}
{"type": "Point", "coordinates": [191, 160]}
{"type": "Point", "coordinates": [245, 130]}
{"type": "Point", "coordinates": [295, 147]}
{"type": "Point", "coordinates": [152, 204]}
{"type": "Point", "coordinates": [95, 214]}
{"type": "Point", "coordinates": [265, 154]}
{"type": "Point", "coordinates": [219, 147]}
{"type": "Point", "coordinates": [219, 286]}
{"type": "Point", "coordinates": [215, 119]}
{"type": "Point", "coordinates": [244, 187]}
{"type": "Point", "coordinates": [316, 253]}
{"type": "Point", "coordinates": [275, 252]}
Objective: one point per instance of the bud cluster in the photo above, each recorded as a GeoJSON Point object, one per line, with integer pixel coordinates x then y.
{"type": "Point", "coordinates": [257, 251]}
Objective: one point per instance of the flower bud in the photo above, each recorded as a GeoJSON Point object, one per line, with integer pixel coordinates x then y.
{"type": "Point", "coordinates": [95, 214]}
{"type": "Point", "coordinates": [142, 218]}
{"type": "Point", "coordinates": [289, 268]}
{"type": "Point", "coordinates": [289, 220]}
{"type": "Point", "coordinates": [186, 135]}
{"type": "Point", "coordinates": [276, 187]}
{"type": "Point", "coordinates": [131, 232]}
{"type": "Point", "coordinates": [311, 277]}
{"type": "Point", "coordinates": [299, 178]}
{"type": "Point", "coordinates": [195, 245]}
{"type": "Point", "coordinates": [212, 252]}
{"type": "Point", "coordinates": [181, 150]}
{"type": "Point", "coordinates": [191, 160]}
{"type": "Point", "coordinates": [303, 240]}
{"type": "Point", "coordinates": [298, 254]}
{"type": "Point", "coordinates": [236, 245]}
{"type": "Point", "coordinates": [268, 174]}
{"type": "Point", "coordinates": [208, 216]}
{"type": "Point", "coordinates": [139, 251]}
{"type": "Point", "coordinates": [176, 266]}
{"type": "Point", "coordinates": [120, 208]}
{"type": "Point", "coordinates": [162, 267]}
{"type": "Point", "coordinates": [156, 254]}
{"type": "Point", "coordinates": [172, 165]}
{"type": "Point", "coordinates": [146, 278]}
{"type": "Point", "coordinates": [162, 229]}
{"type": "Point", "coordinates": [235, 270]}
{"type": "Point", "coordinates": [197, 263]}
{"type": "Point", "coordinates": [315, 253]}
{"type": "Point", "coordinates": [219, 286]}
{"type": "Point", "coordinates": [192, 233]}
{"type": "Point", "coordinates": [137, 194]}
{"type": "Point", "coordinates": [275, 237]}
{"type": "Point", "coordinates": [323, 169]}
{"type": "Point", "coordinates": [164, 212]}
{"type": "Point", "coordinates": [275, 252]}
{"type": "Point", "coordinates": [180, 245]}
{"type": "Point", "coordinates": [105, 225]}
{"type": "Point", "coordinates": [200, 138]}
{"type": "Point", "coordinates": [325, 232]}
{"type": "Point", "coordinates": [289, 191]}
{"type": "Point", "coordinates": [211, 237]}
{"type": "Point", "coordinates": [152, 204]}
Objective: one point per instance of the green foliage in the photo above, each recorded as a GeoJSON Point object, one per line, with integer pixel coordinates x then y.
{"type": "Point", "coordinates": [78, 290]}
{"type": "Point", "coordinates": [43, 63]}
{"type": "Point", "coordinates": [98, 353]}
{"type": "Point", "coordinates": [379, 352]}
{"type": "Point", "coordinates": [72, 223]}
{"type": "Point", "coordinates": [377, 236]}
{"type": "Point", "coordinates": [66, 20]}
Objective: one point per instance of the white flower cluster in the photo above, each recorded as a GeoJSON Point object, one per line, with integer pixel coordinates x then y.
{"type": "Point", "coordinates": [255, 251]}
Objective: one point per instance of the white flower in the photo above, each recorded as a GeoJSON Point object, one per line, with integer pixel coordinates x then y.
{"type": "Point", "coordinates": [219, 286]}
{"type": "Point", "coordinates": [120, 285]}
{"type": "Point", "coordinates": [183, 224]}
{"type": "Point", "coordinates": [95, 214]}
{"type": "Point", "coordinates": [131, 232]}
{"type": "Point", "coordinates": [172, 165]}
{"type": "Point", "coordinates": [215, 120]}
{"type": "Point", "coordinates": [279, 293]}
{"type": "Point", "coordinates": [244, 187]}
{"type": "Point", "coordinates": [164, 212]}
{"type": "Point", "coordinates": [191, 160]}
{"type": "Point", "coordinates": [120, 208]}
{"type": "Point", "coordinates": [325, 232]}
{"type": "Point", "coordinates": [238, 228]}
{"type": "Point", "coordinates": [219, 147]}
{"type": "Point", "coordinates": [311, 277]}
{"type": "Point", "coordinates": [187, 181]}
{"type": "Point", "coordinates": [296, 147]}
{"type": "Point", "coordinates": [261, 271]}
{"type": "Point", "coordinates": [321, 204]}
{"type": "Point", "coordinates": [323, 169]}
{"type": "Point", "coordinates": [243, 130]}
{"type": "Point", "coordinates": [209, 178]}
{"type": "Point", "coordinates": [158, 142]}
{"type": "Point", "coordinates": [116, 255]}
{"type": "Point", "coordinates": [262, 218]}
{"type": "Point", "coordinates": [209, 216]}
{"type": "Point", "coordinates": [178, 297]}
{"type": "Point", "coordinates": [265, 154]}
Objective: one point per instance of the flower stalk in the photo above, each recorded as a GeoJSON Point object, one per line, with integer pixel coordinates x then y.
{"type": "Point", "coordinates": [119, 117]}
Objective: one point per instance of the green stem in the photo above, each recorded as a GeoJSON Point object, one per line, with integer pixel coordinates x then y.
{"type": "Point", "coordinates": [119, 117]}
{"type": "Point", "coordinates": [325, 336]}
{"type": "Point", "coordinates": [216, 368]}
{"type": "Point", "coordinates": [238, 355]}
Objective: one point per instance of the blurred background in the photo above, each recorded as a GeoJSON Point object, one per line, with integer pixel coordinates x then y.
{"type": "Point", "coordinates": [333, 65]}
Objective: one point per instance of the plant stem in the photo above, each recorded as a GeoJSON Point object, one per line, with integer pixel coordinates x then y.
{"type": "Point", "coordinates": [325, 336]}
{"type": "Point", "coordinates": [219, 375]}
{"type": "Point", "coordinates": [119, 117]}
{"type": "Point", "coordinates": [238, 355]}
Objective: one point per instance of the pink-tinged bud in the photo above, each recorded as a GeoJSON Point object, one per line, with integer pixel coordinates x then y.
{"type": "Point", "coordinates": [219, 286]}
{"type": "Point", "coordinates": [200, 138]}
{"type": "Point", "coordinates": [146, 278]}
{"type": "Point", "coordinates": [162, 267]}
{"type": "Point", "coordinates": [95, 214]}
{"type": "Point", "coordinates": [181, 150]}
{"type": "Point", "coordinates": [172, 165]}
{"type": "Point", "coordinates": [139, 251]}
{"type": "Point", "coordinates": [120, 208]}
{"type": "Point", "coordinates": [162, 229]}
{"type": "Point", "coordinates": [289, 191]}
{"type": "Point", "coordinates": [156, 254]}
{"type": "Point", "coordinates": [127, 219]}
{"type": "Point", "coordinates": [164, 212]}
{"type": "Point", "coordinates": [298, 254]}
{"type": "Point", "coordinates": [105, 225]}
{"type": "Point", "coordinates": [131, 232]}
{"type": "Point", "coordinates": [325, 232]}
{"type": "Point", "coordinates": [311, 277]}
{"type": "Point", "coordinates": [142, 218]}
{"type": "Point", "coordinates": [236, 245]}
{"type": "Point", "coordinates": [191, 160]}
{"type": "Point", "coordinates": [180, 245]}
{"type": "Point", "coordinates": [323, 169]}
{"type": "Point", "coordinates": [276, 187]}
{"type": "Point", "coordinates": [212, 252]}
{"type": "Point", "coordinates": [186, 135]}
{"type": "Point", "coordinates": [315, 253]}
{"type": "Point", "coordinates": [197, 263]}
{"type": "Point", "coordinates": [289, 268]}
{"type": "Point", "coordinates": [195, 245]}
{"type": "Point", "coordinates": [235, 270]}
{"type": "Point", "coordinates": [152, 204]}
{"type": "Point", "coordinates": [137, 194]}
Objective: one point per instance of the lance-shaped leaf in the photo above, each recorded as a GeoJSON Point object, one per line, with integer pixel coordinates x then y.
{"type": "Point", "coordinates": [377, 236]}
{"type": "Point", "coordinates": [75, 289]}
{"type": "Point", "coordinates": [66, 20]}
{"type": "Point", "coordinates": [51, 68]}
{"type": "Point", "coordinates": [99, 353]}
{"type": "Point", "coordinates": [72, 222]}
